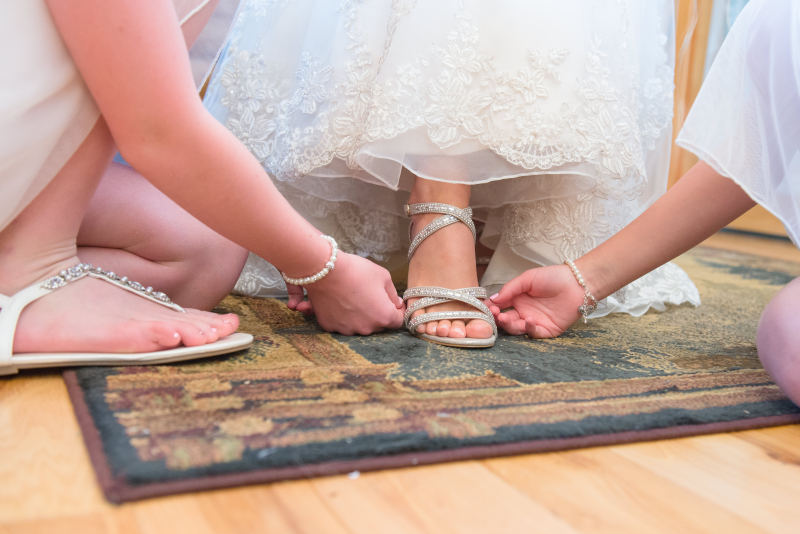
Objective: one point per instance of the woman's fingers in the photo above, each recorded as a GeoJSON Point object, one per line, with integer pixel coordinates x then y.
{"type": "Point", "coordinates": [296, 296]}
{"type": "Point", "coordinates": [516, 286]}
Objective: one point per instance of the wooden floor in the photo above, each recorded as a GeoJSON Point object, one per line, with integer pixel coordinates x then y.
{"type": "Point", "coordinates": [724, 483]}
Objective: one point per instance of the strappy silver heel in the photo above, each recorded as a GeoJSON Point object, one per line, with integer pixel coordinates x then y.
{"type": "Point", "coordinates": [432, 295]}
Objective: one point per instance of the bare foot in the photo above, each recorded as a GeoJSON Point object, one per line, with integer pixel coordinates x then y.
{"type": "Point", "coordinates": [446, 259]}
{"type": "Point", "coordinates": [90, 315]}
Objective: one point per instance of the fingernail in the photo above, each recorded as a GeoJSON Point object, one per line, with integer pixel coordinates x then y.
{"type": "Point", "coordinates": [494, 296]}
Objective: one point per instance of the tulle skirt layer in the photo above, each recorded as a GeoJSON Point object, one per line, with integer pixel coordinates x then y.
{"type": "Point", "coordinates": [557, 113]}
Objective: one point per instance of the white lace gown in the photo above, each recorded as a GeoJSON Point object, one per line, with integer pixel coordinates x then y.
{"type": "Point", "coordinates": [556, 112]}
{"type": "Point", "coordinates": [745, 121]}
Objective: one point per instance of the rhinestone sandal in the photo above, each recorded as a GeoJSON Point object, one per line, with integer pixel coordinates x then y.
{"type": "Point", "coordinates": [11, 308]}
{"type": "Point", "coordinates": [431, 295]}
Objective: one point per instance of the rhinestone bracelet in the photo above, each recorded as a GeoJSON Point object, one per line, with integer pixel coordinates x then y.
{"type": "Point", "coordinates": [589, 302]}
{"type": "Point", "coordinates": [320, 275]}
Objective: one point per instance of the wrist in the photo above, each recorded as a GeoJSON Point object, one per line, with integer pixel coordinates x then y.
{"type": "Point", "coordinates": [335, 280]}
{"type": "Point", "coordinates": [323, 271]}
{"type": "Point", "coordinates": [597, 277]}
{"type": "Point", "coordinates": [589, 304]}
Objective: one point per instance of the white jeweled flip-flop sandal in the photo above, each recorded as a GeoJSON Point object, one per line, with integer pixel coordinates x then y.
{"type": "Point", "coordinates": [12, 306]}
{"type": "Point", "coordinates": [432, 295]}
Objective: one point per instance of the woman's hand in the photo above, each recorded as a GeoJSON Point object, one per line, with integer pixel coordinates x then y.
{"type": "Point", "coordinates": [540, 302]}
{"type": "Point", "coordinates": [357, 297]}
{"type": "Point", "coordinates": [297, 299]}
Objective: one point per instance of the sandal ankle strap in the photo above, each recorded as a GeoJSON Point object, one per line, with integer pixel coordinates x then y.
{"type": "Point", "coordinates": [450, 215]}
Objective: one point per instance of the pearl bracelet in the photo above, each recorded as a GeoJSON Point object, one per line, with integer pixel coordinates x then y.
{"type": "Point", "coordinates": [589, 302]}
{"type": "Point", "coordinates": [320, 275]}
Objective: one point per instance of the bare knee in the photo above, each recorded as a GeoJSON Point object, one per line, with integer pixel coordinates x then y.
{"type": "Point", "coordinates": [778, 340]}
{"type": "Point", "coordinates": [132, 227]}
{"type": "Point", "coordinates": [208, 268]}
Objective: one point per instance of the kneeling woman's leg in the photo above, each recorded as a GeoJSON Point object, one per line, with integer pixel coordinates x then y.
{"type": "Point", "coordinates": [88, 315]}
{"type": "Point", "coordinates": [778, 340]}
{"type": "Point", "coordinates": [131, 227]}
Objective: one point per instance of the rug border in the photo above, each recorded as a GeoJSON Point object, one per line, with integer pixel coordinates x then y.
{"type": "Point", "coordinates": [117, 491]}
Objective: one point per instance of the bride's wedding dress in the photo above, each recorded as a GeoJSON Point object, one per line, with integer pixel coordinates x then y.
{"type": "Point", "coordinates": [557, 112]}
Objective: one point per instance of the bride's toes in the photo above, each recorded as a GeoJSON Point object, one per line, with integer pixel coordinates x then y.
{"type": "Point", "coordinates": [443, 328]}
{"type": "Point", "coordinates": [479, 329]}
{"type": "Point", "coordinates": [458, 329]}
{"type": "Point", "coordinates": [430, 327]}
{"type": "Point", "coordinates": [422, 327]}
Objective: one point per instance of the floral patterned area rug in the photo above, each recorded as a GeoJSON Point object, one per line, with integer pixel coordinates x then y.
{"type": "Point", "coordinates": [304, 403]}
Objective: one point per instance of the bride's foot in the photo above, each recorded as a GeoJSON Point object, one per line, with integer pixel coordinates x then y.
{"type": "Point", "coordinates": [446, 259]}
{"type": "Point", "coordinates": [91, 315]}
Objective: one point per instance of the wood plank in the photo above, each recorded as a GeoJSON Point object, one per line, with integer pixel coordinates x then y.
{"type": "Point", "coordinates": [730, 472]}
{"type": "Point", "coordinates": [599, 492]}
{"type": "Point", "coordinates": [461, 498]}
{"type": "Point", "coordinates": [288, 507]}
{"type": "Point", "coordinates": [87, 524]}
{"type": "Point", "coordinates": [779, 443]}
{"type": "Point", "coordinates": [371, 502]}
{"type": "Point", "coordinates": [466, 497]}
{"type": "Point", "coordinates": [44, 464]}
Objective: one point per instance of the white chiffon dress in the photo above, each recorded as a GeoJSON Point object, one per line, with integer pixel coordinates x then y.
{"type": "Point", "coordinates": [46, 110]}
{"type": "Point", "coordinates": [556, 112]}
{"type": "Point", "coordinates": [745, 121]}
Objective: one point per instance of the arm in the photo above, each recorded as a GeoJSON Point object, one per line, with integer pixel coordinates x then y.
{"type": "Point", "coordinates": [544, 301]}
{"type": "Point", "coordinates": [133, 58]}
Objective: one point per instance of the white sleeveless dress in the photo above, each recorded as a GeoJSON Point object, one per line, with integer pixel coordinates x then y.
{"type": "Point", "coordinates": [46, 110]}
{"type": "Point", "coordinates": [745, 121]}
{"type": "Point", "coordinates": [557, 112]}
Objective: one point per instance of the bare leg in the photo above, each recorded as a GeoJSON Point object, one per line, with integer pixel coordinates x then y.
{"type": "Point", "coordinates": [166, 247]}
{"type": "Point", "coordinates": [446, 258]}
{"type": "Point", "coordinates": [778, 340]}
{"type": "Point", "coordinates": [88, 315]}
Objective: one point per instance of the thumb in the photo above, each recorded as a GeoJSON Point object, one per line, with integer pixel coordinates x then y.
{"type": "Point", "coordinates": [392, 292]}
{"type": "Point", "coordinates": [511, 289]}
